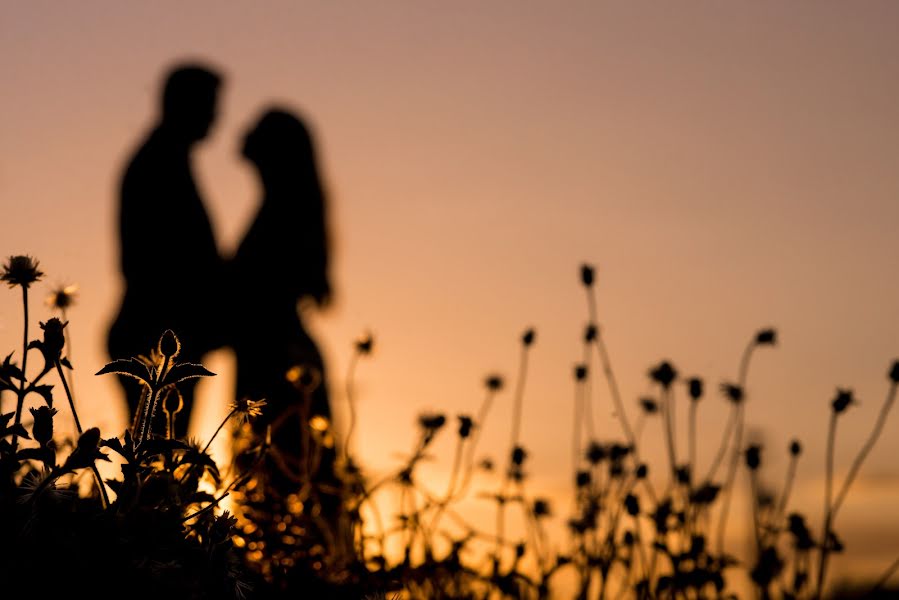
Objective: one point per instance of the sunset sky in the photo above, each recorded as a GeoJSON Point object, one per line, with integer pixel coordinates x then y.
{"type": "Point", "coordinates": [726, 166]}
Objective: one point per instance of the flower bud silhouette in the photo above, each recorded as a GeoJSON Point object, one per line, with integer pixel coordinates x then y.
{"type": "Point", "coordinates": [664, 374]}
{"type": "Point", "coordinates": [894, 372]}
{"type": "Point", "coordinates": [169, 345]}
{"type": "Point", "coordinates": [587, 274]}
{"type": "Point", "coordinates": [54, 339]}
{"type": "Point", "coordinates": [528, 336]}
{"type": "Point", "coordinates": [753, 457]}
{"type": "Point", "coordinates": [795, 448]}
{"type": "Point", "coordinates": [42, 429]}
{"type": "Point", "coordinates": [694, 385]}
{"type": "Point", "coordinates": [590, 332]}
{"type": "Point", "coordinates": [580, 372]}
{"type": "Point", "coordinates": [494, 383]}
{"type": "Point", "coordinates": [766, 337]}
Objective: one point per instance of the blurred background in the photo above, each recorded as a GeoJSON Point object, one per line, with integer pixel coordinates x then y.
{"type": "Point", "coordinates": [725, 167]}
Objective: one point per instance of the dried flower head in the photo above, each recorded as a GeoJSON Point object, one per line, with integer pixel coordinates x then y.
{"type": "Point", "coordinates": [518, 455]}
{"type": "Point", "coordinates": [694, 386]}
{"type": "Point", "coordinates": [649, 405]}
{"type": "Point", "coordinates": [21, 270]}
{"type": "Point", "coordinates": [632, 505]}
{"type": "Point", "coordinates": [596, 453]}
{"type": "Point", "coordinates": [894, 372]}
{"type": "Point", "coordinates": [246, 408]}
{"type": "Point", "coordinates": [766, 337]}
{"type": "Point", "coordinates": [431, 422]}
{"type": "Point", "coordinates": [733, 392]}
{"type": "Point", "coordinates": [590, 332]}
{"type": "Point", "coordinates": [582, 479]}
{"type": "Point", "coordinates": [494, 383]}
{"type": "Point", "coordinates": [527, 338]}
{"type": "Point", "coordinates": [63, 297]}
{"type": "Point", "coordinates": [541, 508]}
{"type": "Point", "coordinates": [795, 448]}
{"type": "Point", "coordinates": [587, 274]}
{"type": "Point", "coordinates": [580, 372]}
{"type": "Point", "coordinates": [466, 424]}
{"type": "Point", "coordinates": [664, 374]}
{"type": "Point", "coordinates": [753, 457]}
{"type": "Point", "coordinates": [842, 401]}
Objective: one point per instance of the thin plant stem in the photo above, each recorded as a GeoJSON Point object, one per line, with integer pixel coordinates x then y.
{"type": "Point", "coordinates": [667, 410]}
{"type": "Point", "coordinates": [882, 581]}
{"type": "Point", "coordinates": [100, 485]}
{"type": "Point", "coordinates": [722, 449]}
{"type": "Point", "coordinates": [218, 429]}
{"type": "Point", "coordinates": [20, 400]}
{"type": "Point", "coordinates": [68, 346]}
{"type": "Point", "coordinates": [576, 428]}
{"type": "Point", "coordinates": [754, 501]}
{"type": "Point", "coordinates": [351, 403]}
{"type": "Point", "coordinates": [832, 505]}
{"type": "Point", "coordinates": [828, 499]}
{"type": "Point", "coordinates": [691, 438]}
{"type": "Point", "coordinates": [607, 370]}
{"type": "Point", "coordinates": [738, 442]}
{"type": "Point", "coordinates": [519, 397]}
{"type": "Point", "coordinates": [475, 437]}
{"type": "Point", "coordinates": [866, 449]}
{"type": "Point", "coordinates": [65, 385]}
{"type": "Point", "coordinates": [787, 489]}
{"type": "Point", "coordinates": [614, 391]}
{"type": "Point", "coordinates": [588, 395]}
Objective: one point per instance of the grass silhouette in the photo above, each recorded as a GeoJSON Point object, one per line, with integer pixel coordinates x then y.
{"type": "Point", "coordinates": [157, 529]}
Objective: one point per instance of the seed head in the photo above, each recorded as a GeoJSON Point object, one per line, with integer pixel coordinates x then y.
{"type": "Point", "coordinates": [664, 374]}
{"type": "Point", "coordinates": [587, 274]}
{"type": "Point", "coordinates": [465, 426]}
{"type": "Point", "coordinates": [694, 385]}
{"type": "Point", "coordinates": [753, 457]}
{"type": "Point", "coordinates": [527, 338]}
{"type": "Point", "coordinates": [494, 383]}
{"type": "Point", "coordinates": [766, 337]}
{"type": "Point", "coordinates": [20, 270]}
{"type": "Point", "coordinates": [580, 372]}
{"type": "Point", "coordinates": [842, 401]}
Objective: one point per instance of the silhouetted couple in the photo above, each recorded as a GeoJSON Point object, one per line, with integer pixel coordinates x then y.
{"type": "Point", "coordinates": [175, 278]}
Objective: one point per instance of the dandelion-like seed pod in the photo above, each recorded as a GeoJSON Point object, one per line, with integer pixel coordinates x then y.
{"type": "Point", "coordinates": [21, 270]}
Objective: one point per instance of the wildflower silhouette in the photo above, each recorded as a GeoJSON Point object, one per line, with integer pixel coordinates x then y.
{"type": "Point", "coordinates": [155, 374]}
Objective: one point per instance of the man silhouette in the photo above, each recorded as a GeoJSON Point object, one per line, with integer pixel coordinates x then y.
{"type": "Point", "coordinates": [169, 258]}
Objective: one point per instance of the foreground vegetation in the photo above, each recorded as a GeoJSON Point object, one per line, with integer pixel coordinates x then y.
{"type": "Point", "coordinates": [157, 527]}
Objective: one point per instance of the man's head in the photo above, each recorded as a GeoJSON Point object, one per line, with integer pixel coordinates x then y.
{"type": "Point", "coordinates": [189, 101]}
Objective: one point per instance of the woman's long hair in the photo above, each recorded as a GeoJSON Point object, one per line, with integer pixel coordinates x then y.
{"type": "Point", "coordinates": [282, 148]}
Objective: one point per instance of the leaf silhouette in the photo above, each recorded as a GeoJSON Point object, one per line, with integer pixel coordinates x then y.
{"type": "Point", "coordinates": [45, 392]}
{"type": "Point", "coordinates": [129, 367]}
{"type": "Point", "coordinates": [183, 371]}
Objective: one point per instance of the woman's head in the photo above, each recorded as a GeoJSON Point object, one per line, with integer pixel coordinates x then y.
{"type": "Point", "coordinates": [280, 145]}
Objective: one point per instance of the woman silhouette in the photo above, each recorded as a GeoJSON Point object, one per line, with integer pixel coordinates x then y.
{"type": "Point", "coordinates": [282, 260]}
